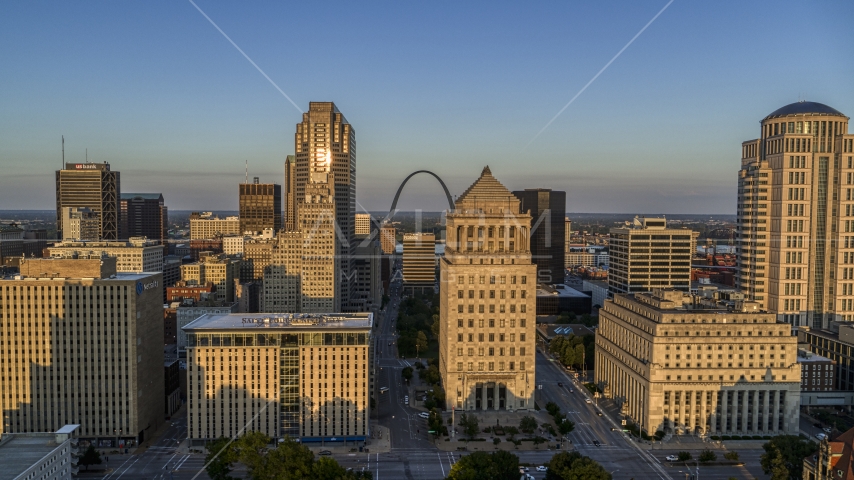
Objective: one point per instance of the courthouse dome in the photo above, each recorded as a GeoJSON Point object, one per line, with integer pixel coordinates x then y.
{"type": "Point", "coordinates": [805, 108]}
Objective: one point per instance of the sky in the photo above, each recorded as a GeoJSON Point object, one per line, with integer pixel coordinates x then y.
{"type": "Point", "coordinates": [156, 90]}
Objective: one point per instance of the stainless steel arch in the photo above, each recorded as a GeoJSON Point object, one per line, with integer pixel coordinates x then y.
{"type": "Point", "coordinates": [397, 195]}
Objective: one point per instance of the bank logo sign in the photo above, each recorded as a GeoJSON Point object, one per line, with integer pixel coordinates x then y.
{"type": "Point", "coordinates": [141, 287]}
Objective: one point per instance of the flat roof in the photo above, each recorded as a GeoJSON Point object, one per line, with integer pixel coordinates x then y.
{"type": "Point", "coordinates": [813, 357]}
{"type": "Point", "coordinates": [562, 290]}
{"type": "Point", "coordinates": [22, 451]}
{"type": "Point", "coordinates": [120, 277]}
{"type": "Point", "coordinates": [281, 321]}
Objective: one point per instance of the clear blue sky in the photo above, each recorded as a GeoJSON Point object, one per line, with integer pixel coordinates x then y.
{"type": "Point", "coordinates": [157, 91]}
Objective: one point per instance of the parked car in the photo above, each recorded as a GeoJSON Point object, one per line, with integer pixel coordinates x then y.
{"type": "Point", "coordinates": [523, 469]}
{"type": "Point", "coordinates": [571, 391]}
{"type": "Point", "coordinates": [820, 436]}
{"type": "Point", "coordinates": [827, 429]}
{"type": "Point", "coordinates": [587, 400]}
{"type": "Point", "coordinates": [424, 415]}
{"type": "Point", "coordinates": [324, 452]}
{"type": "Point", "coordinates": [406, 400]}
{"type": "Point", "coordinates": [542, 468]}
{"type": "Point", "coordinates": [816, 425]}
{"type": "Point", "coordinates": [596, 442]}
{"type": "Point", "coordinates": [672, 458]}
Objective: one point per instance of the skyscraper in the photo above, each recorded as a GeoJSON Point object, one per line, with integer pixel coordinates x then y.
{"type": "Point", "coordinates": [363, 224]}
{"type": "Point", "coordinates": [91, 185]}
{"type": "Point", "coordinates": [645, 255]}
{"type": "Point", "coordinates": [144, 215]}
{"type": "Point", "coordinates": [290, 194]}
{"type": "Point", "coordinates": [487, 291]}
{"type": "Point", "coordinates": [548, 210]}
{"type": "Point", "coordinates": [388, 239]}
{"type": "Point", "coordinates": [325, 152]}
{"type": "Point", "coordinates": [260, 207]}
{"type": "Point", "coordinates": [796, 216]}
{"type": "Point", "coordinates": [419, 262]}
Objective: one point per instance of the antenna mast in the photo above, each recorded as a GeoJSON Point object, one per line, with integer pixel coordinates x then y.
{"type": "Point", "coordinates": [63, 153]}
{"type": "Point", "coordinates": [247, 172]}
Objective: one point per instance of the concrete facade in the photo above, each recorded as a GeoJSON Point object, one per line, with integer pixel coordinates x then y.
{"type": "Point", "coordinates": [138, 254]}
{"type": "Point", "coordinates": [645, 254]}
{"type": "Point", "coordinates": [204, 225]}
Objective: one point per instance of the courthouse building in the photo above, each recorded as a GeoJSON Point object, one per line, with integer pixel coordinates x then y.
{"type": "Point", "coordinates": [684, 364]}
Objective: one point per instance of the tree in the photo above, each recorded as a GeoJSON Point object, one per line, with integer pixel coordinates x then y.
{"type": "Point", "coordinates": [434, 327]}
{"type": "Point", "coordinates": [776, 464]}
{"type": "Point", "coordinates": [500, 465]}
{"type": "Point", "coordinates": [792, 449]}
{"type": "Point", "coordinates": [220, 459]}
{"type": "Point", "coordinates": [574, 466]}
{"type": "Point", "coordinates": [733, 456]}
{"type": "Point", "coordinates": [684, 456]}
{"type": "Point", "coordinates": [90, 457]}
{"type": "Point", "coordinates": [326, 468]}
{"type": "Point", "coordinates": [470, 425]}
{"type": "Point", "coordinates": [527, 424]}
{"type": "Point", "coordinates": [552, 408]}
{"type": "Point", "coordinates": [421, 342]}
{"type": "Point", "coordinates": [708, 456]}
{"type": "Point", "coordinates": [565, 427]}
{"type": "Point", "coordinates": [407, 374]}
{"type": "Point", "coordinates": [289, 460]}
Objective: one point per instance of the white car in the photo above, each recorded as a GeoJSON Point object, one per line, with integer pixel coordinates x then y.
{"type": "Point", "coordinates": [523, 469]}
{"type": "Point", "coordinates": [820, 436]}
{"type": "Point", "coordinates": [672, 458]}
{"type": "Point", "coordinates": [542, 468]}
{"type": "Point", "coordinates": [424, 415]}
{"type": "Point", "coordinates": [406, 400]}
{"type": "Point", "coordinates": [587, 400]}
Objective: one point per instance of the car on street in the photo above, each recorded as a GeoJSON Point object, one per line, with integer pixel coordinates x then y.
{"type": "Point", "coordinates": [424, 415]}
{"type": "Point", "coordinates": [827, 429]}
{"type": "Point", "coordinates": [383, 389]}
{"type": "Point", "coordinates": [324, 452]}
{"type": "Point", "coordinates": [596, 442]}
{"type": "Point", "coordinates": [672, 458]}
{"type": "Point", "coordinates": [587, 400]}
{"type": "Point", "coordinates": [523, 469]}
{"type": "Point", "coordinates": [559, 384]}
{"type": "Point", "coordinates": [406, 400]}
{"type": "Point", "coordinates": [820, 436]}
{"type": "Point", "coordinates": [571, 391]}
{"type": "Point", "coordinates": [542, 468]}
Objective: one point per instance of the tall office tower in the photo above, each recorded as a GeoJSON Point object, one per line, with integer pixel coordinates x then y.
{"type": "Point", "coordinates": [95, 354]}
{"type": "Point", "coordinates": [11, 243]}
{"type": "Point", "coordinates": [290, 193]}
{"type": "Point", "coordinates": [325, 147]}
{"type": "Point", "coordinates": [487, 294]}
{"type": "Point", "coordinates": [257, 256]}
{"type": "Point", "coordinates": [204, 225]}
{"type": "Point", "coordinates": [260, 207]}
{"type": "Point", "coordinates": [796, 216]}
{"type": "Point", "coordinates": [744, 378]}
{"type": "Point", "coordinates": [363, 224]}
{"type": "Point", "coordinates": [567, 240]}
{"type": "Point", "coordinates": [548, 209]}
{"type": "Point", "coordinates": [217, 269]}
{"type": "Point", "coordinates": [91, 185]}
{"type": "Point", "coordinates": [282, 286]}
{"type": "Point", "coordinates": [81, 224]}
{"type": "Point", "coordinates": [419, 262]}
{"type": "Point", "coordinates": [135, 255]}
{"type": "Point", "coordinates": [645, 255]}
{"type": "Point", "coordinates": [369, 289]}
{"type": "Point", "coordinates": [297, 395]}
{"type": "Point", "coordinates": [388, 240]}
{"type": "Point", "coordinates": [144, 215]}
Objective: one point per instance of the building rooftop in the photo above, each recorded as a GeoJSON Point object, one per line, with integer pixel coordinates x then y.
{"type": "Point", "coordinates": [281, 321]}
{"type": "Point", "coordinates": [144, 196]}
{"type": "Point", "coordinates": [804, 108]}
{"type": "Point", "coordinates": [18, 452]}
{"type": "Point", "coordinates": [560, 290]}
{"type": "Point", "coordinates": [805, 356]}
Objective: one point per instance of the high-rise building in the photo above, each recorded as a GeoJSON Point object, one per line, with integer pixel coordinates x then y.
{"type": "Point", "coordinates": [684, 364]}
{"type": "Point", "coordinates": [204, 225]}
{"type": "Point", "coordinates": [567, 241]}
{"type": "Point", "coordinates": [144, 215]}
{"type": "Point", "coordinates": [91, 185]}
{"type": "Point", "coordinates": [134, 255]}
{"type": "Point", "coordinates": [11, 243]}
{"type": "Point", "coordinates": [217, 269]}
{"type": "Point", "coordinates": [257, 256]}
{"type": "Point", "coordinates": [548, 210]}
{"type": "Point", "coordinates": [487, 294]}
{"type": "Point", "coordinates": [296, 395]}
{"type": "Point", "coordinates": [88, 323]}
{"type": "Point", "coordinates": [388, 240]}
{"type": "Point", "coordinates": [363, 224]}
{"type": "Point", "coordinates": [325, 148]}
{"type": "Point", "coordinates": [419, 262]}
{"type": "Point", "coordinates": [646, 255]}
{"type": "Point", "coordinates": [796, 216]}
{"type": "Point", "coordinates": [81, 224]}
{"type": "Point", "coordinates": [290, 193]}
{"type": "Point", "coordinates": [260, 207]}
{"type": "Point", "coordinates": [369, 290]}
{"type": "Point", "coordinates": [191, 309]}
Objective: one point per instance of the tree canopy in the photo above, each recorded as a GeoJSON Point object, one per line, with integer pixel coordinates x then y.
{"type": "Point", "coordinates": [574, 466]}
{"type": "Point", "coordinates": [499, 465]}
{"type": "Point", "coordinates": [90, 457]}
{"type": "Point", "coordinates": [791, 450]}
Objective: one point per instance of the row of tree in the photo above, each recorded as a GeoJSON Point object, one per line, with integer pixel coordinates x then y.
{"type": "Point", "coordinates": [417, 325]}
{"type": "Point", "coordinates": [287, 460]}
{"type": "Point", "coordinates": [574, 350]}
{"type": "Point", "coordinates": [502, 465]}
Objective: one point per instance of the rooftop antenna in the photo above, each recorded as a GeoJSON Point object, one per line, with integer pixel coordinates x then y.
{"type": "Point", "coordinates": [247, 172]}
{"type": "Point", "coordinates": [87, 155]}
{"type": "Point", "coordinates": [63, 153]}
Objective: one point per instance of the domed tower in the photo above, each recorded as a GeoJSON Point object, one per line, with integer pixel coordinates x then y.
{"type": "Point", "coordinates": [796, 216]}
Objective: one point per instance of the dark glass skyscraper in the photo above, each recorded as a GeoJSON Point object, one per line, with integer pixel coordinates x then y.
{"type": "Point", "coordinates": [548, 209]}
{"type": "Point", "coordinates": [260, 206]}
{"type": "Point", "coordinates": [91, 185]}
{"type": "Point", "coordinates": [143, 215]}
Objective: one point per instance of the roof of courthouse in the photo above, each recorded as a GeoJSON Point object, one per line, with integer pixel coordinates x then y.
{"type": "Point", "coordinates": [485, 189]}
{"type": "Point", "coordinates": [804, 108]}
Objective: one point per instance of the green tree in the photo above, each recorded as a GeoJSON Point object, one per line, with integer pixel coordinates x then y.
{"type": "Point", "coordinates": [407, 374]}
{"type": "Point", "coordinates": [289, 460]}
{"type": "Point", "coordinates": [469, 423]}
{"type": "Point", "coordinates": [792, 450]}
{"type": "Point", "coordinates": [421, 343]}
{"type": "Point", "coordinates": [251, 451]}
{"type": "Point", "coordinates": [434, 326]}
{"type": "Point", "coordinates": [499, 465]}
{"type": "Point", "coordinates": [684, 456]}
{"type": "Point", "coordinates": [527, 424]}
{"type": "Point", "coordinates": [733, 456]}
{"type": "Point", "coordinates": [574, 466]}
{"type": "Point", "coordinates": [90, 457]}
{"type": "Point", "coordinates": [565, 427]}
{"type": "Point", "coordinates": [552, 408]}
{"type": "Point", "coordinates": [220, 459]}
{"type": "Point", "coordinates": [776, 465]}
{"type": "Point", "coordinates": [707, 456]}
{"type": "Point", "coordinates": [326, 468]}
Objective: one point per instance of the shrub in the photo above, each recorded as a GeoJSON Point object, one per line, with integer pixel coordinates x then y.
{"type": "Point", "coordinates": [659, 435]}
{"type": "Point", "coordinates": [683, 456]}
{"type": "Point", "coordinates": [496, 441]}
{"type": "Point", "coordinates": [487, 429]}
{"type": "Point", "coordinates": [715, 437]}
{"type": "Point", "coordinates": [731, 456]}
{"type": "Point", "coordinates": [726, 437]}
{"type": "Point", "coordinates": [757, 437]}
{"type": "Point", "coordinates": [708, 456]}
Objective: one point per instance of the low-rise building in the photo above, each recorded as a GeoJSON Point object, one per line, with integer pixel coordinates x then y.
{"type": "Point", "coordinates": [684, 364]}
{"type": "Point", "coordinates": [834, 459]}
{"type": "Point", "coordinates": [189, 310]}
{"type": "Point", "coordinates": [217, 269]}
{"type": "Point", "coordinates": [40, 455]}
{"type": "Point", "coordinates": [556, 299]}
{"type": "Point", "coordinates": [301, 375]}
{"type": "Point", "coordinates": [836, 346]}
{"type": "Point", "coordinates": [138, 254]}
{"type": "Point", "coordinates": [206, 225]}
{"type": "Point", "coordinates": [599, 291]}
{"type": "Point", "coordinates": [818, 374]}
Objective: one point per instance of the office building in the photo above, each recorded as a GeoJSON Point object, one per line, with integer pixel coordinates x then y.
{"type": "Point", "coordinates": [560, 298]}
{"type": "Point", "coordinates": [796, 216]}
{"type": "Point", "coordinates": [260, 207]}
{"type": "Point", "coordinates": [190, 290]}
{"type": "Point", "coordinates": [209, 246]}
{"type": "Point", "coordinates": [204, 225]}
{"type": "Point", "coordinates": [290, 194]}
{"type": "Point", "coordinates": [684, 364]}
{"type": "Point", "coordinates": [135, 255]}
{"type": "Point", "coordinates": [388, 239]}
{"type": "Point", "coordinates": [325, 153]}
{"type": "Point", "coordinates": [646, 255]}
{"type": "Point", "coordinates": [369, 290]}
{"type": "Point", "coordinates": [11, 243]}
{"type": "Point", "coordinates": [548, 232]}
{"type": "Point", "coordinates": [81, 224]}
{"type": "Point", "coordinates": [171, 270]}
{"type": "Point", "coordinates": [217, 269]}
{"type": "Point", "coordinates": [96, 358]}
{"type": "Point", "coordinates": [144, 215]}
{"type": "Point", "coordinates": [35, 241]}
{"type": "Point", "coordinates": [249, 297]}
{"type": "Point", "coordinates": [487, 294]}
{"type": "Point", "coordinates": [419, 262]}
{"type": "Point", "coordinates": [836, 346]}
{"type": "Point", "coordinates": [40, 455]}
{"type": "Point", "coordinates": [189, 309]}
{"type": "Point", "coordinates": [363, 224]}
{"type": "Point", "coordinates": [233, 244]}
{"type": "Point", "coordinates": [587, 256]}
{"type": "Point", "coordinates": [818, 374]}
{"type": "Point", "coordinates": [91, 185]}
{"type": "Point", "coordinates": [304, 376]}
{"type": "Point", "coordinates": [257, 256]}
{"type": "Point", "coordinates": [171, 380]}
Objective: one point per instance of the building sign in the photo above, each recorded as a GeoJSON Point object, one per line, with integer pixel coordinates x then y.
{"type": "Point", "coordinates": [141, 287]}
{"type": "Point", "coordinates": [85, 166]}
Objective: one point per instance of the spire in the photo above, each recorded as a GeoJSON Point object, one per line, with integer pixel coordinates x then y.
{"type": "Point", "coordinates": [486, 171]}
{"type": "Point", "coordinates": [486, 188]}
